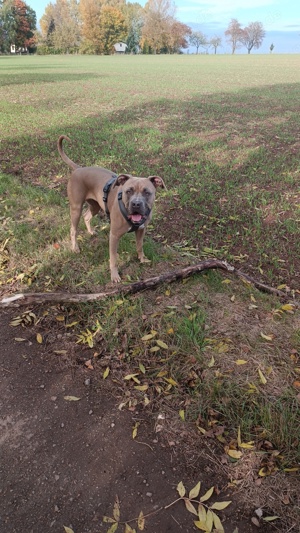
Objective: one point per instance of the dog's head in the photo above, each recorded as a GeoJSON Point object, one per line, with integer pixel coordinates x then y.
{"type": "Point", "coordinates": [138, 194]}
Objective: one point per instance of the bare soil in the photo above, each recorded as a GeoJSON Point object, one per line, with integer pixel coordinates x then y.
{"type": "Point", "coordinates": [64, 462]}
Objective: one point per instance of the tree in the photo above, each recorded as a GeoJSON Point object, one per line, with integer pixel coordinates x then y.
{"type": "Point", "coordinates": [18, 24]}
{"type": "Point", "coordinates": [133, 14]}
{"type": "Point", "coordinates": [235, 34]}
{"type": "Point", "coordinates": [177, 36]}
{"type": "Point", "coordinates": [112, 28]}
{"type": "Point", "coordinates": [60, 29]}
{"type": "Point", "coordinates": [253, 35]}
{"type": "Point", "coordinates": [197, 39]}
{"type": "Point", "coordinates": [215, 42]}
{"type": "Point", "coordinates": [158, 16]}
{"type": "Point", "coordinates": [90, 25]}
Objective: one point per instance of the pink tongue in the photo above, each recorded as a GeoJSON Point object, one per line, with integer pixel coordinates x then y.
{"type": "Point", "coordinates": [136, 218]}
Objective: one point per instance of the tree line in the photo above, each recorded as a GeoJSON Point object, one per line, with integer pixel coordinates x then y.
{"type": "Point", "coordinates": [94, 26]}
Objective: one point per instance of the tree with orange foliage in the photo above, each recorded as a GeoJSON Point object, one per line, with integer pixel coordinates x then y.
{"type": "Point", "coordinates": [112, 28]}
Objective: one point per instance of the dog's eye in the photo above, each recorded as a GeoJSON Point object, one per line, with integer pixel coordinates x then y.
{"type": "Point", "coordinates": [129, 191]}
{"type": "Point", "coordinates": [146, 192]}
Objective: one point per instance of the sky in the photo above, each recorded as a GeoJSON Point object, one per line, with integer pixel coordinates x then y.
{"type": "Point", "coordinates": [280, 18]}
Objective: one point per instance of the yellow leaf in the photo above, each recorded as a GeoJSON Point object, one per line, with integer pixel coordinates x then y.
{"type": "Point", "coordinates": [201, 525]}
{"type": "Point", "coordinates": [141, 388]}
{"type": "Point", "coordinates": [295, 469]}
{"type": "Point", "coordinates": [235, 454]}
{"type": "Point", "coordinates": [180, 489]}
{"type": "Point", "coordinates": [39, 338]}
{"type": "Point", "coordinates": [241, 362]}
{"type": "Point", "coordinates": [130, 376]}
{"type": "Point", "coordinates": [211, 362]}
{"type": "Point", "coordinates": [149, 336]}
{"type": "Point", "coordinates": [288, 307]}
{"type": "Point", "coordinates": [71, 398]}
{"type": "Point", "coordinates": [141, 521]}
{"type": "Point", "coordinates": [60, 318]}
{"type": "Point", "coordinates": [267, 337]}
{"type": "Point", "coordinates": [135, 430]}
{"type": "Point", "coordinates": [162, 344]}
{"type": "Point", "coordinates": [113, 528]}
{"type": "Point", "coordinates": [219, 506]}
{"type": "Point", "coordinates": [172, 382]}
{"type": "Point", "coordinates": [154, 349]}
{"type": "Point", "coordinates": [226, 281]}
{"type": "Point", "coordinates": [116, 509]}
{"type": "Point", "coordinates": [239, 436]}
{"type": "Point", "coordinates": [202, 513]}
{"type": "Point", "coordinates": [71, 324]}
{"type": "Point", "coordinates": [182, 414]}
{"type": "Point", "coordinates": [262, 377]}
{"type": "Point", "coordinates": [190, 507]}
{"type": "Point", "coordinates": [270, 518]}
{"type": "Point", "coordinates": [207, 495]}
{"type": "Point", "coordinates": [195, 491]}
{"type": "Point", "coordinates": [68, 529]}
{"type": "Point", "coordinates": [106, 372]}
{"type": "Point", "coordinates": [19, 339]}
{"type": "Point", "coordinates": [218, 523]}
{"type": "Point", "coordinates": [209, 521]}
{"type": "Point", "coordinates": [142, 368]}
{"type": "Point", "coordinates": [247, 445]}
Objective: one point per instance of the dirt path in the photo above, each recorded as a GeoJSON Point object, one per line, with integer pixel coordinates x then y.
{"type": "Point", "coordinates": [63, 462]}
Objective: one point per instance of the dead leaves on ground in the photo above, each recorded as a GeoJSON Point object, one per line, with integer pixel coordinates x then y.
{"type": "Point", "coordinates": [115, 520]}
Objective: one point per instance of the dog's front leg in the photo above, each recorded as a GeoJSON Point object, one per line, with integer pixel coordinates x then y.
{"type": "Point", "coordinates": [113, 249]}
{"type": "Point", "coordinates": [139, 237]}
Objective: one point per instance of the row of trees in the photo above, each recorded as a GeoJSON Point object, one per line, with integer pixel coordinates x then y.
{"type": "Point", "coordinates": [94, 26]}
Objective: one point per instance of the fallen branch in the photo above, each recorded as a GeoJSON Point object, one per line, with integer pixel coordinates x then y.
{"type": "Point", "coordinates": [138, 286]}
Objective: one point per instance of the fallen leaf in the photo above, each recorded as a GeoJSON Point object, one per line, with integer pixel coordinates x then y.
{"type": "Point", "coordinates": [207, 495]}
{"type": "Point", "coordinates": [141, 521]}
{"type": "Point", "coordinates": [241, 362]}
{"type": "Point", "coordinates": [71, 398]}
{"type": "Point", "coordinates": [190, 507]}
{"type": "Point", "coordinates": [68, 529]}
{"type": "Point", "coordinates": [201, 525]}
{"type": "Point", "coordinates": [235, 454]}
{"type": "Point", "coordinates": [39, 338]}
{"type": "Point", "coordinates": [219, 506]}
{"type": "Point", "coordinates": [218, 523]}
{"type": "Point", "coordinates": [182, 414]}
{"type": "Point", "coordinates": [106, 372]}
{"type": "Point", "coordinates": [270, 518]}
{"type": "Point", "coordinates": [195, 491]}
{"type": "Point", "coordinates": [267, 337]}
{"type": "Point", "coordinates": [19, 339]}
{"type": "Point", "coordinates": [262, 377]}
{"type": "Point", "coordinates": [181, 489]}
{"type": "Point", "coordinates": [162, 344]}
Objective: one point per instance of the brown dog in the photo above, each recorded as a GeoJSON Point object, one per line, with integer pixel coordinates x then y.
{"type": "Point", "coordinates": [126, 200]}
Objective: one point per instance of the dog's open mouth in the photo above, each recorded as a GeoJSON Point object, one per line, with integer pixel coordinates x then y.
{"type": "Point", "coordinates": [135, 217]}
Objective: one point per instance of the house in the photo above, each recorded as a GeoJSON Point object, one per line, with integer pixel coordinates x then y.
{"type": "Point", "coordinates": [20, 50]}
{"type": "Point", "coordinates": [120, 48]}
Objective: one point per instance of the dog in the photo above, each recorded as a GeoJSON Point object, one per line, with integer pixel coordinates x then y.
{"type": "Point", "coordinates": [126, 200]}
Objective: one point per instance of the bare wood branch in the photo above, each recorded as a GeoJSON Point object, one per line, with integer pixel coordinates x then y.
{"type": "Point", "coordinates": [138, 286]}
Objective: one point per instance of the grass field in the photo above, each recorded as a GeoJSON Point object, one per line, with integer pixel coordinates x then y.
{"type": "Point", "coordinates": [224, 133]}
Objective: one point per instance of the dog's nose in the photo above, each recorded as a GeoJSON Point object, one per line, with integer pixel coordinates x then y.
{"type": "Point", "coordinates": [136, 204]}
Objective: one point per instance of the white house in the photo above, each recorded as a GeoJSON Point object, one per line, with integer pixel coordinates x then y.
{"type": "Point", "coordinates": [120, 48]}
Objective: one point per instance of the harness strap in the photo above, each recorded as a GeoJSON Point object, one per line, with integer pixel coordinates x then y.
{"type": "Point", "coordinates": [106, 190]}
{"type": "Point", "coordinates": [134, 226]}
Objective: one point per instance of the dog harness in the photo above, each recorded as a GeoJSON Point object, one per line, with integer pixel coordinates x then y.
{"type": "Point", "coordinates": [106, 190]}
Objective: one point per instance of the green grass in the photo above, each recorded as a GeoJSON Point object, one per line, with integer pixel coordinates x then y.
{"type": "Point", "coordinates": [223, 132]}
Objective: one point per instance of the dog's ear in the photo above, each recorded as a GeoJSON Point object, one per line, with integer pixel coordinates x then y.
{"type": "Point", "coordinates": [121, 179]}
{"type": "Point", "coordinates": [157, 181]}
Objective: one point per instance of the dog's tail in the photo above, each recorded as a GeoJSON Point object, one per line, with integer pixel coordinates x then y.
{"type": "Point", "coordinates": [62, 153]}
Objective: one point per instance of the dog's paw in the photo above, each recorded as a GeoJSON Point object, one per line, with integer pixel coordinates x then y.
{"type": "Point", "coordinates": [144, 259]}
{"type": "Point", "coordinates": [115, 277]}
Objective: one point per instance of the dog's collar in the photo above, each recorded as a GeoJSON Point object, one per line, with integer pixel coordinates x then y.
{"type": "Point", "coordinates": [134, 226]}
{"type": "Point", "coordinates": [106, 190]}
